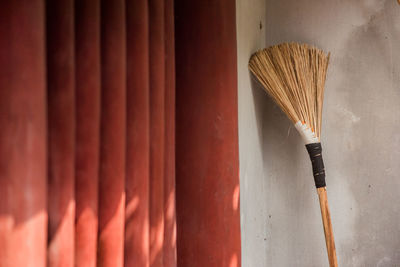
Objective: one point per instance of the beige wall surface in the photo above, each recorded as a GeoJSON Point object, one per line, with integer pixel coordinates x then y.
{"type": "Point", "coordinates": [280, 217]}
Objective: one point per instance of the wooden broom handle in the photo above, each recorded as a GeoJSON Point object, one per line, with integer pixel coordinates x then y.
{"type": "Point", "coordinates": [326, 219]}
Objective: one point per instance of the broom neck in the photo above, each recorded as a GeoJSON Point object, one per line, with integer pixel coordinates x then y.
{"type": "Point", "coordinates": [306, 133]}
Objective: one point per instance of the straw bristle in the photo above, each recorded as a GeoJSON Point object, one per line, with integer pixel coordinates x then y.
{"type": "Point", "coordinates": [294, 76]}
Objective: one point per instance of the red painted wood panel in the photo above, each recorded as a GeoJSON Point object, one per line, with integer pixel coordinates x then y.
{"type": "Point", "coordinates": [157, 130]}
{"type": "Point", "coordinates": [207, 185]}
{"type": "Point", "coordinates": [61, 132]}
{"type": "Point", "coordinates": [87, 76]}
{"type": "Point", "coordinates": [113, 135]}
{"type": "Point", "coordinates": [23, 215]}
{"type": "Point", "coordinates": [138, 126]}
{"type": "Point", "coordinates": [169, 250]}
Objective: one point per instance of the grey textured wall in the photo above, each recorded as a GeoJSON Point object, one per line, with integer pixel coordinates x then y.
{"type": "Point", "coordinates": [280, 217]}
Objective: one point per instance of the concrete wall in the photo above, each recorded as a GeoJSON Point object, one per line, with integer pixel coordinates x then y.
{"type": "Point", "coordinates": [280, 217]}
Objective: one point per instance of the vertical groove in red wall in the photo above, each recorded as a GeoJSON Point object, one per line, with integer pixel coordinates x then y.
{"type": "Point", "coordinates": [207, 174]}
{"type": "Point", "coordinates": [61, 132]}
{"type": "Point", "coordinates": [157, 130]}
{"type": "Point", "coordinates": [113, 133]}
{"type": "Point", "coordinates": [138, 146]}
{"type": "Point", "coordinates": [169, 251]}
{"type": "Point", "coordinates": [23, 215]}
{"type": "Point", "coordinates": [87, 95]}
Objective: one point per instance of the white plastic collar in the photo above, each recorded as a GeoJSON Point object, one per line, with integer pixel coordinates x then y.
{"type": "Point", "coordinates": [306, 133]}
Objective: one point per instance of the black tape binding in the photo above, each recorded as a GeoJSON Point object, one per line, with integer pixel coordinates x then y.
{"type": "Point", "coordinates": [315, 152]}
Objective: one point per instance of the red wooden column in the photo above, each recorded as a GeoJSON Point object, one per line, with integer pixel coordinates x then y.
{"type": "Point", "coordinates": [137, 146]}
{"type": "Point", "coordinates": [87, 77]}
{"type": "Point", "coordinates": [23, 215]}
{"type": "Point", "coordinates": [207, 185]}
{"type": "Point", "coordinates": [61, 132]}
{"type": "Point", "coordinates": [169, 251]}
{"type": "Point", "coordinates": [113, 135]}
{"type": "Point", "coordinates": [157, 130]}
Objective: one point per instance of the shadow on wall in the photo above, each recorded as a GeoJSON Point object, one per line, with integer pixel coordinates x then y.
{"type": "Point", "coordinates": [285, 161]}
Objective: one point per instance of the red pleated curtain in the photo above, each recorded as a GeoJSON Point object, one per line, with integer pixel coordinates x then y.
{"type": "Point", "coordinates": [207, 170]}
{"type": "Point", "coordinates": [118, 133]}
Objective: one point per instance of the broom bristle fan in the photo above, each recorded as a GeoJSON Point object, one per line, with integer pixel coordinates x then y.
{"type": "Point", "coordinates": [294, 76]}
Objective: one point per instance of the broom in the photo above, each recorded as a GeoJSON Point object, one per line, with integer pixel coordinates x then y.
{"type": "Point", "coordinates": [294, 76]}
